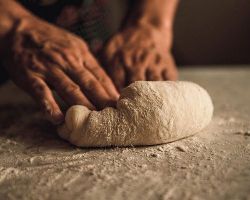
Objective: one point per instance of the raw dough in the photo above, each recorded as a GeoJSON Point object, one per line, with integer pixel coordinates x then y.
{"type": "Point", "coordinates": [147, 113]}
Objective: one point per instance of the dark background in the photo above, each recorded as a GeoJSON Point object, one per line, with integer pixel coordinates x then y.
{"type": "Point", "coordinates": [212, 32]}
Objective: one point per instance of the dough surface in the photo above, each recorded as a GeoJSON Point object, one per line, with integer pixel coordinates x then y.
{"type": "Point", "coordinates": [147, 113]}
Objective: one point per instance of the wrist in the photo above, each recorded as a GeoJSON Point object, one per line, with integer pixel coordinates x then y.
{"type": "Point", "coordinates": [156, 25]}
{"type": "Point", "coordinates": [158, 13]}
{"type": "Point", "coordinates": [155, 22]}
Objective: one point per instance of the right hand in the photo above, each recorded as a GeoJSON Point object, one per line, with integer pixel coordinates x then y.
{"type": "Point", "coordinates": [41, 57]}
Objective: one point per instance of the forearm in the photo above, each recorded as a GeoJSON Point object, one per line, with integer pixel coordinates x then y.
{"type": "Point", "coordinates": [158, 13]}
{"type": "Point", "coordinates": [10, 13]}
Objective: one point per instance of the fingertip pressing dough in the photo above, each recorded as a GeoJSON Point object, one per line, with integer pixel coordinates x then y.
{"type": "Point", "coordinates": [147, 113]}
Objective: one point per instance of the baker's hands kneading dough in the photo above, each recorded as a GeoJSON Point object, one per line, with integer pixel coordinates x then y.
{"type": "Point", "coordinates": [147, 113]}
{"type": "Point", "coordinates": [140, 52]}
{"type": "Point", "coordinates": [42, 57]}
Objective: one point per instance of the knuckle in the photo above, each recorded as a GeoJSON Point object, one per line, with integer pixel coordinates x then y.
{"type": "Point", "coordinates": [46, 105]}
{"type": "Point", "coordinates": [35, 84]}
{"type": "Point", "coordinates": [95, 67]}
{"type": "Point", "coordinates": [71, 89]}
{"type": "Point", "coordinates": [103, 79]}
{"type": "Point", "coordinates": [34, 64]}
{"type": "Point", "coordinates": [35, 67]}
{"type": "Point", "coordinates": [83, 46]}
{"type": "Point", "coordinates": [91, 84]}
{"type": "Point", "coordinates": [82, 74]}
{"type": "Point", "coordinates": [38, 88]}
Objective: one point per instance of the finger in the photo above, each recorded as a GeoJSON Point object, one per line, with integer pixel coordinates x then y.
{"type": "Point", "coordinates": [67, 89]}
{"type": "Point", "coordinates": [40, 91]}
{"type": "Point", "coordinates": [65, 58]}
{"type": "Point", "coordinates": [91, 87]}
{"type": "Point", "coordinates": [53, 56]}
{"type": "Point", "coordinates": [138, 74]}
{"type": "Point", "coordinates": [112, 46]}
{"type": "Point", "coordinates": [137, 55]}
{"type": "Point", "coordinates": [131, 59]}
{"type": "Point", "coordinates": [145, 57]}
{"type": "Point", "coordinates": [153, 75]}
{"type": "Point", "coordinates": [142, 60]}
{"type": "Point", "coordinates": [170, 74]}
{"type": "Point", "coordinates": [101, 76]}
{"type": "Point", "coordinates": [117, 73]}
{"type": "Point", "coordinates": [170, 71]}
{"type": "Point", "coordinates": [126, 59]}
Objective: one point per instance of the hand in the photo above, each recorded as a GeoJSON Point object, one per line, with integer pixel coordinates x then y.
{"type": "Point", "coordinates": [41, 56]}
{"type": "Point", "coordinates": [140, 52]}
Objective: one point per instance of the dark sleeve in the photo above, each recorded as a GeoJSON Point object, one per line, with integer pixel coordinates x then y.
{"type": "Point", "coordinates": [49, 12]}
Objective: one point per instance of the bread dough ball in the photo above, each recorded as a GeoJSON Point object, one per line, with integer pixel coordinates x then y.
{"type": "Point", "coordinates": [147, 113]}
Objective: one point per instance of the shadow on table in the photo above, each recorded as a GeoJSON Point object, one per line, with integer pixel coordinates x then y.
{"type": "Point", "coordinates": [24, 125]}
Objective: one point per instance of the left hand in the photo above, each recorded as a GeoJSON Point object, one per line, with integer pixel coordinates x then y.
{"type": "Point", "coordinates": [140, 52]}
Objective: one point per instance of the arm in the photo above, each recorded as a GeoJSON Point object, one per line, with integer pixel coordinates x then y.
{"type": "Point", "coordinates": [158, 13]}
{"type": "Point", "coordinates": [40, 57]}
{"type": "Point", "coordinates": [142, 50]}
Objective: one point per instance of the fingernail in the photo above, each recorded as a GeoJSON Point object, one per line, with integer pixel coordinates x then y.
{"type": "Point", "coordinates": [55, 118]}
{"type": "Point", "coordinates": [117, 96]}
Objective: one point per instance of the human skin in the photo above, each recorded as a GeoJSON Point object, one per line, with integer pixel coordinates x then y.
{"type": "Point", "coordinates": [142, 49]}
{"type": "Point", "coordinates": [40, 57]}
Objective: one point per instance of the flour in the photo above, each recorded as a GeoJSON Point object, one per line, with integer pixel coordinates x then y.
{"type": "Point", "coordinates": [147, 113]}
{"type": "Point", "coordinates": [36, 164]}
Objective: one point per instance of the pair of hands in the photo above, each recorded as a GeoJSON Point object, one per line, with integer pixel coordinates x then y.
{"type": "Point", "coordinates": [42, 57]}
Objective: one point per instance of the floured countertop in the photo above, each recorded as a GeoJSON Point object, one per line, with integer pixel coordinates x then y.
{"type": "Point", "coordinates": [215, 164]}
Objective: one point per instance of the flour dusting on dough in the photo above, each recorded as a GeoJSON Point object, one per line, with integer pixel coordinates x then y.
{"type": "Point", "coordinates": [147, 113]}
